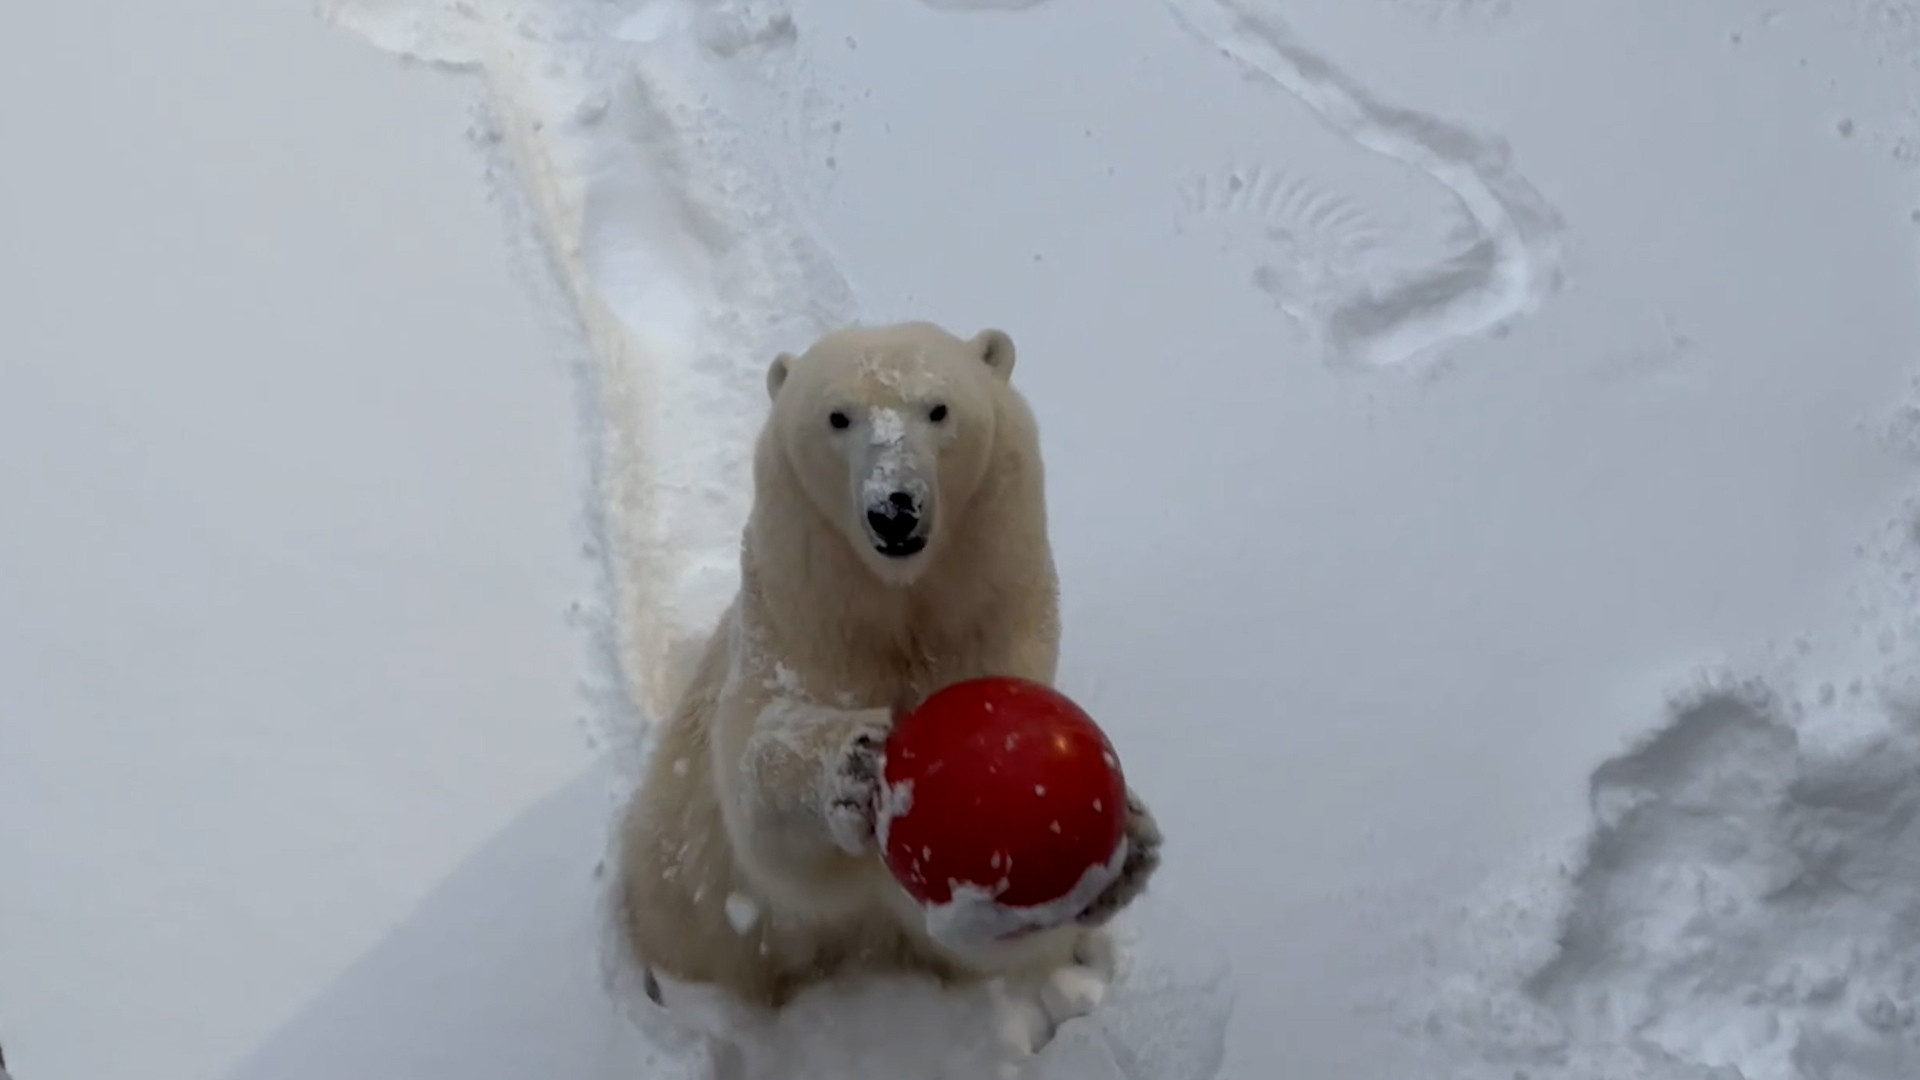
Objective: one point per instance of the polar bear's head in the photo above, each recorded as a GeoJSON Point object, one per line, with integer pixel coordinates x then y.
{"type": "Point", "coordinates": [890, 431]}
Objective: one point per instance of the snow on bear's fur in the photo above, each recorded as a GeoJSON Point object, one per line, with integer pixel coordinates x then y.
{"type": "Point", "coordinates": [897, 543]}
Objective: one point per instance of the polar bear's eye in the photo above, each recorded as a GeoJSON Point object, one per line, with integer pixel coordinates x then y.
{"type": "Point", "coordinates": [937, 413]}
{"type": "Point", "coordinates": [838, 419]}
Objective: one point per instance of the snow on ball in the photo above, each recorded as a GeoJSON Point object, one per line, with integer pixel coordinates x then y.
{"type": "Point", "coordinates": [1004, 809]}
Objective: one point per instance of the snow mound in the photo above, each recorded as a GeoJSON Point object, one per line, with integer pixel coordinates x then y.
{"type": "Point", "coordinates": [1746, 905]}
{"type": "Point", "coordinates": [1157, 1018]}
{"type": "Point", "coordinates": [1746, 910]}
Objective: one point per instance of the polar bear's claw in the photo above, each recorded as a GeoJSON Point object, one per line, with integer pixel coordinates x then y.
{"type": "Point", "coordinates": [853, 785]}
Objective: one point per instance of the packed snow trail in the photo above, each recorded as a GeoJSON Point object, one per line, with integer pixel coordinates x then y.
{"type": "Point", "coordinates": [1504, 270]}
{"type": "Point", "coordinates": [679, 260]}
{"type": "Point", "coordinates": [688, 272]}
{"type": "Point", "coordinates": [1361, 302]}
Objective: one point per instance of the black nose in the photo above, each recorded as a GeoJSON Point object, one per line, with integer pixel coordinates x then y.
{"type": "Point", "coordinates": [895, 521]}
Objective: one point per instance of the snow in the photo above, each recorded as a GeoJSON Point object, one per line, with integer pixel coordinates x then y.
{"type": "Point", "coordinates": [1481, 443]}
{"type": "Point", "coordinates": [973, 914]}
{"type": "Point", "coordinates": [1745, 902]}
{"type": "Point", "coordinates": [742, 912]}
{"type": "Point", "coordinates": [1142, 1024]}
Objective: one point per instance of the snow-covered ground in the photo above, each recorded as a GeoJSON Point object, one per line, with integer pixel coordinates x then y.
{"type": "Point", "coordinates": [1482, 440]}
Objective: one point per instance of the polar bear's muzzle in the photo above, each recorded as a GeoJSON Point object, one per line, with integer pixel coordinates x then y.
{"type": "Point", "coordinates": [893, 486]}
{"type": "Point", "coordinates": [897, 523]}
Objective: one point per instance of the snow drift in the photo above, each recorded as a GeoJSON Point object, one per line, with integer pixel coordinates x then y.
{"type": "Point", "coordinates": [1747, 902]}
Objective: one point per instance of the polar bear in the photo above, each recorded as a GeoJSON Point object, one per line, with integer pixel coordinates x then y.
{"type": "Point", "coordinates": [897, 543]}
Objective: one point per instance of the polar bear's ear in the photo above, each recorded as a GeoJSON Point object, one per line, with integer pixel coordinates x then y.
{"type": "Point", "coordinates": [996, 351]}
{"type": "Point", "coordinates": [777, 374]}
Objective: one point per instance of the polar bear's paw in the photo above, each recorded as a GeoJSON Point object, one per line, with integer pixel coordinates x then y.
{"type": "Point", "coordinates": [853, 789]}
{"type": "Point", "coordinates": [1136, 869]}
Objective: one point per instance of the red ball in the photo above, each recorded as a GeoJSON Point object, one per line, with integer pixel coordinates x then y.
{"type": "Point", "coordinates": [1004, 784]}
